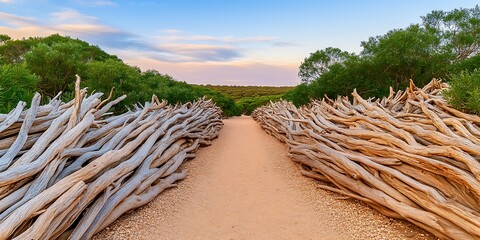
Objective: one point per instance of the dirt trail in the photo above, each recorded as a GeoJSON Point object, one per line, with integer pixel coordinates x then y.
{"type": "Point", "coordinates": [245, 187]}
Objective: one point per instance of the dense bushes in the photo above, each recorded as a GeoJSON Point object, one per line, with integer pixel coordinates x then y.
{"type": "Point", "coordinates": [248, 98]}
{"type": "Point", "coordinates": [48, 65]}
{"type": "Point", "coordinates": [224, 101]}
{"type": "Point", "coordinates": [239, 92]}
{"type": "Point", "coordinates": [464, 92]}
{"type": "Point", "coordinates": [444, 44]}
{"type": "Point", "coordinates": [248, 104]}
{"type": "Point", "coordinates": [16, 84]}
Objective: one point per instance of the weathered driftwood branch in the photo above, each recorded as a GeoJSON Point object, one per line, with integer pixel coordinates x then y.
{"type": "Point", "coordinates": [409, 155]}
{"type": "Point", "coordinates": [70, 169]}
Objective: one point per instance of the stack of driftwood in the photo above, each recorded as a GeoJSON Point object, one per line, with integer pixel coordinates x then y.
{"type": "Point", "coordinates": [71, 169]}
{"type": "Point", "coordinates": [408, 155]}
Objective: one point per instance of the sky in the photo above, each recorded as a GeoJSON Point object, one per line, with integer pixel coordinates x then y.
{"type": "Point", "coordinates": [219, 42]}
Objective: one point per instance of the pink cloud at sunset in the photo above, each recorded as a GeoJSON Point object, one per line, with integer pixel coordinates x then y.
{"type": "Point", "coordinates": [230, 73]}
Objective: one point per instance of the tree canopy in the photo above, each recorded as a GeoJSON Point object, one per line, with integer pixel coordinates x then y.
{"type": "Point", "coordinates": [444, 44]}
{"type": "Point", "coordinates": [458, 30]}
{"type": "Point", "coordinates": [320, 62]}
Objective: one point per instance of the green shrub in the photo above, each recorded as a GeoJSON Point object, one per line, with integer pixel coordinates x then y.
{"type": "Point", "coordinates": [239, 92]}
{"type": "Point", "coordinates": [301, 94]}
{"type": "Point", "coordinates": [16, 84]}
{"type": "Point", "coordinates": [249, 104]}
{"type": "Point", "coordinates": [465, 91]}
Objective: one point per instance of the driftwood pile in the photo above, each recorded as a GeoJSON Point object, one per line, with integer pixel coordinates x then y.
{"type": "Point", "coordinates": [408, 155]}
{"type": "Point", "coordinates": [67, 170]}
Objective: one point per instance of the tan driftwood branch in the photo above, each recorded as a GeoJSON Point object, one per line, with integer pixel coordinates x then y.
{"type": "Point", "coordinates": [409, 155]}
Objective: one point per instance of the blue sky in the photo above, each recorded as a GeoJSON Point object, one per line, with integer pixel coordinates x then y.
{"type": "Point", "coordinates": [229, 42]}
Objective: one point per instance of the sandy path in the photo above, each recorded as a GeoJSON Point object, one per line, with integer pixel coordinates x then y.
{"type": "Point", "coordinates": [245, 187]}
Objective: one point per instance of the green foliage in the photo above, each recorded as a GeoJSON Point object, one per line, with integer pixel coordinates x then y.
{"type": "Point", "coordinates": [13, 51]}
{"type": "Point", "coordinates": [301, 94]}
{"type": "Point", "coordinates": [239, 92]}
{"type": "Point", "coordinates": [444, 44]}
{"type": "Point", "coordinates": [403, 54]}
{"type": "Point", "coordinates": [139, 87]}
{"type": "Point", "coordinates": [4, 38]}
{"type": "Point", "coordinates": [458, 29]}
{"type": "Point", "coordinates": [64, 56]}
{"type": "Point", "coordinates": [224, 101]}
{"type": "Point", "coordinates": [248, 104]}
{"type": "Point", "coordinates": [16, 84]}
{"type": "Point", "coordinates": [465, 91]}
{"type": "Point", "coordinates": [354, 73]}
{"type": "Point", "coordinates": [102, 76]}
{"type": "Point", "coordinates": [320, 62]}
{"type": "Point", "coordinates": [247, 98]}
{"type": "Point", "coordinates": [469, 65]}
{"type": "Point", "coordinates": [55, 65]}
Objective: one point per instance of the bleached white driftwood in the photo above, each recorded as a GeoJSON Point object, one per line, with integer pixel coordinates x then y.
{"type": "Point", "coordinates": [71, 169]}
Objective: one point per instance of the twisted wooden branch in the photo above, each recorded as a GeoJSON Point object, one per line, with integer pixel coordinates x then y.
{"type": "Point", "coordinates": [408, 155]}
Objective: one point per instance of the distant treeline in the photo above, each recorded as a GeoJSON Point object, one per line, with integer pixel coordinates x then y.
{"type": "Point", "coordinates": [248, 98]}
{"type": "Point", "coordinates": [239, 92]}
{"type": "Point", "coordinates": [48, 65]}
{"type": "Point", "coordinates": [445, 45]}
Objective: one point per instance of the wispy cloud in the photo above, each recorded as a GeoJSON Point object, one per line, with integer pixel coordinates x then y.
{"type": "Point", "coordinates": [225, 39]}
{"type": "Point", "coordinates": [183, 46]}
{"type": "Point", "coordinates": [104, 3]}
{"type": "Point", "coordinates": [74, 22]}
{"type": "Point", "coordinates": [97, 3]}
{"type": "Point", "coordinates": [6, 1]}
{"type": "Point", "coordinates": [197, 53]}
{"type": "Point", "coordinates": [182, 36]}
{"type": "Point", "coordinates": [284, 44]}
{"type": "Point", "coordinates": [71, 15]}
{"type": "Point", "coordinates": [15, 20]}
{"type": "Point", "coordinates": [86, 29]}
{"type": "Point", "coordinates": [71, 23]}
{"type": "Point", "coordinates": [22, 32]}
